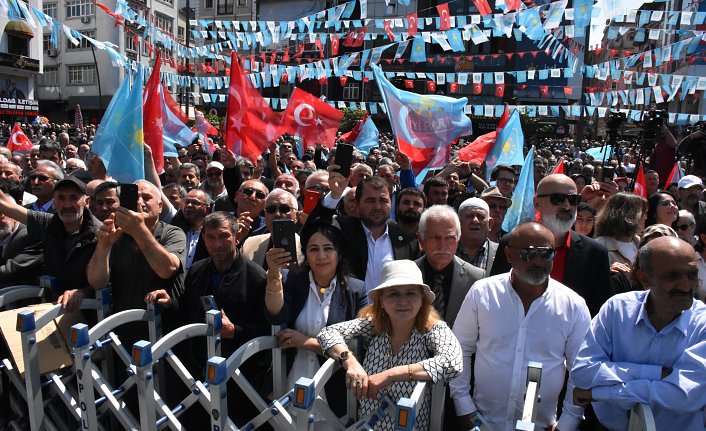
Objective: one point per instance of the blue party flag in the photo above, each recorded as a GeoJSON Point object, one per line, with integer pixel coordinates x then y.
{"type": "Point", "coordinates": [522, 208]}
{"type": "Point", "coordinates": [419, 51]}
{"type": "Point", "coordinates": [368, 137]}
{"type": "Point", "coordinates": [508, 146]}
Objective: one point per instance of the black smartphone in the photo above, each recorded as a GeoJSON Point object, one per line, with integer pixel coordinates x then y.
{"type": "Point", "coordinates": [344, 158]}
{"type": "Point", "coordinates": [608, 173]}
{"type": "Point", "coordinates": [283, 236]}
{"type": "Point", "coordinates": [128, 196]}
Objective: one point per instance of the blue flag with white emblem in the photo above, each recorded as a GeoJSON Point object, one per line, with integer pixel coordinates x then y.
{"type": "Point", "coordinates": [508, 146]}
{"type": "Point", "coordinates": [522, 208]}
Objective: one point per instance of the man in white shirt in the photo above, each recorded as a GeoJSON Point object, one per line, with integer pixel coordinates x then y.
{"type": "Point", "coordinates": [511, 319]}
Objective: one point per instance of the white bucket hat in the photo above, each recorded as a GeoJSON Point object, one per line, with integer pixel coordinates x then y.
{"type": "Point", "coordinates": [401, 273]}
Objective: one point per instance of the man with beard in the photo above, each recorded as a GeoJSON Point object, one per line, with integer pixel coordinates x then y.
{"type": "Point", "coordinates": [20, 257]}
{"type": "Point", "coordinates": [411, 203]}
{"type": "Point", "coordinates": [581, 262]}
{"type": "Point", "coordinates": [690, 195]}
{"type": "Point", "coordinates": [512, 319]}
{"type": "Point", "coordinates": [475, 247]}
{"type": "Point", "coordinates": [214, 185]}
{"type": "Point", "coordinates": [374, 239]}
{"type": "Point", "coordinates": [648, 346]}
{"type": "Point", "coordinates": [68, 237]}
{"type": "Point", "coordinates": [196, 206]}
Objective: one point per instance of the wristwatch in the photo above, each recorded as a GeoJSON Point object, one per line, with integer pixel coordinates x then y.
{"type": "Point", "coordinates": [344, 356]}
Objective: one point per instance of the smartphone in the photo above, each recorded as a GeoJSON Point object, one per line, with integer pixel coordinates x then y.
{"type": "Point", "coordinates": [311, 199]}
{"type": "Point", "coordinates": [344, 158]}
{"type": "Point", "coordinates": [283, 236]}
{"type": "Point", "coordinates": [608, 173]}
{"type": "Point", "coordinates": [128, 196]}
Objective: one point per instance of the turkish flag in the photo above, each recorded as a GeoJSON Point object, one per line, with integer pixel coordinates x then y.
{"type": "Point", "coordinates": [19, 141]}
{"type": "Point", "coordinates": [285, 56]}
{"type": "Point", "coordinates": [453, 87]}
{"type": "Point", "coordinates": [353, 134]}
{"type": "Point", "coordinates": [478, 150]}
{"type": "Point", "coordinates": [300, 50]}
{"type": "Point", "coordinates": [483, 7]}
{"type": "Point", "coordinates": [334, 45]}
{"type": "Point", "coordinates": [559, 168]}
{"type": "Point", "coordinates": [350, 38]}
{"type": "Point", "coordinates": [247, 135]}
{"type": "Point", "coordinates": [320, 47]}
{"type": "Point", "coordinates": [360, 37]}
{"type": "Point", "coordinates": [412, 21]}
{"type": "Point", "coordinates": [568, 90]}
{"type": "Point", "coordinates": [640, 186]}
{"type": "Point", "coordinates": [544, 91]}
{"type": "Point", "coordinates": [152, 116]}
{"type": "Point", "coordinates": [388, 30]}
{"type": "Point", "coordinates": [285, 77]}
{"type": "Point", "coordinates": [503, 119]}
{"type": "Point", "coordinates": [174, 106]}
{"type": "Point", "coordinates": [431, 86]}
{"type": "Point", "coordinates": [445, 22]}
{"type": "Point", "coordinates": [499, 90]}
{"type": "Point", "coordinates": [314, 120]}
{"type": "Point", "coordinates": [513, 5]}
{"type": "Point", "coordinates": [343, 80]}
{"type": "Point", "coordinates": [477, 88]}
{"type": "Point", "coordinates": [408, 83]}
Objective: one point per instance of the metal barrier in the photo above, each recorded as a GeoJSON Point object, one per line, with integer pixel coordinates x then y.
{"type": "Point", "coordinates": [91, 379]}
{"type": "Point", "coordinates": [145, 355]}
{"type": "Point", "coordinates": [532, 398]}
{"type": "Point", "coordinates": [641, 418]}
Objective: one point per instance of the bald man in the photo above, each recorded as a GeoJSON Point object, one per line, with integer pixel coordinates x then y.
{"type": "Point", "coordinates": [581, 262]}
{"type": "Point", "coordinates": [648, 346]}
{"type": "Point", "coordinates": [511, 319]}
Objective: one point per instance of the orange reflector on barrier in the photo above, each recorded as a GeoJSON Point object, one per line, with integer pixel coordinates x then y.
{"type": "Point", "coordinates": [403, 417]}
{"type": "Point", "coordinates": [300, 395]}
{"type": "Point", "coordinates": [211, 373]}
{"type": "Point", "coordinates": [136, 356]}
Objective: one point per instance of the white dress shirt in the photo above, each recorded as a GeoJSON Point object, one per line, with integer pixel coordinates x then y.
{"type": "Point", "coordinates": [493, 325]}
{"type": "Point", "coordinates": [379, 253]}
{"type": "Point", "coordinates": [192, 238]}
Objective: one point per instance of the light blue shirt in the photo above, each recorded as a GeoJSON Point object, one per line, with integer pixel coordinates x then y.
{"type": "Point", "coordinates": [622, 357]}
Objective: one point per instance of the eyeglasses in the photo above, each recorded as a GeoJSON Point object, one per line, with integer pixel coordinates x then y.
{"type": "Point", "coordinates": [214, 174]}
{"type": "Point", "coordinates": [559, 198]}
{"type": "Point", "coordinates": [40, 177]}
{"type": "Point", "coordinates": [505, 181]}
{"type": "Point", "coordinates": [193, 202]}
{"type": "Point", "coordinates": [685, 226]}
{"type": "Point", "coordinates": [247, 191]}
{"type": "Point", "coordinates": [667, 203]}
{"type": "Point", "coordinates": [283, 209]}
{"type": "Point", "coordinates": [498, 206]}
{"type": "Point", "coordinates": [529, 253]}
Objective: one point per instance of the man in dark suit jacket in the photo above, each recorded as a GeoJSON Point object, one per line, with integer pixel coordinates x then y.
{"type": "Point", "coordinates": [20, 257]}
{"type": "Point", "coordinates": [373, 230]}
{"type": "Point", "coordinates": [196, 206]}
{"type": "Point", "coordinates": [581, 263]}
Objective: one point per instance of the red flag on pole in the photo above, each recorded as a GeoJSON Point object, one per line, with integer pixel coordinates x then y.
{"type": "Point", "coordinates": [503, 119]}
{"type": "Point", "coordinates": [19, 141]}
{"type": "Point", "coordinates": [445, 22]}
{"type": "Point", "coordinates": [478, 150]}
{"type": "Point", "coordinates": [312, 119]}
{"type": "Point", "coordinates": [152, 116]}
{"type": "Point", "coordinates": [483, 7]}
{"type": "Point", "coordinates": [353, 134]}
{"type": "Point", "coordinates": [640, 188]}
{"type": "Point", "coordinates": [412, 21]}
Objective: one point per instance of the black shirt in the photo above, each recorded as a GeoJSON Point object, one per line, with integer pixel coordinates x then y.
{"type": "Point", "coordinates": [440, 283]}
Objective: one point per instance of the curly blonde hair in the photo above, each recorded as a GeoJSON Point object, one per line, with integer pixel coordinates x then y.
{"type": "Point", "coordinates": [426, 317]}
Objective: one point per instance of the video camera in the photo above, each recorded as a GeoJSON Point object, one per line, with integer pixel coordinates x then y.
{"type": "Point", "coordinates": [654, 119]}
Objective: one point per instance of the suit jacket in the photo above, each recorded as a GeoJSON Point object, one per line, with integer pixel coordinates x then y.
{"type": "Point", "coordinates": [587, 269]}
{"type": "Point", "coordinates": [464, 275]}
{"type": "Point", "coordinates": [492, 251]}
{"type": "Point", "coordinates": [21, 261]}
{"type": "Point", "coordinates": [255, 248]}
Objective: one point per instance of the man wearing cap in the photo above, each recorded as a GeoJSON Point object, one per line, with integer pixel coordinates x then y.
{"type": "Point", "coordinates": [690, 196]}
{"type": "Point", "coordinates": [68, 237]}
{"type": "Point", "coordinates": [214, 185]}
{"type": "Point", "coordinates": [511, 319]}
{"type": "Point", "coordinates": [474, 246]}
{"type": "Point", "coordinates": [497, 205]}
{"type": "Point", "coordinates": [581, 262]}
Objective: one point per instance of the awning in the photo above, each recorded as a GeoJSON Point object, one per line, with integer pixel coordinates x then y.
{"type": "Point", "coordinates": [19, 27]}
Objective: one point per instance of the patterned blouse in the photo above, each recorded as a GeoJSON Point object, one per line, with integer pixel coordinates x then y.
{"type": "Point", "coordinates": [438, 351]}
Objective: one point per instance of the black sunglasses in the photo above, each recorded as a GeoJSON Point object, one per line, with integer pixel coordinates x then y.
{"type": "Point", "coordinates": [40, 177]}
{"type": "Point", "coordinates": [529, 253]}
{"type": "Point", "coordinates": [283, 209]}
{"type": "Point", "coordinates": [247, 191]}
{"type": "Point", "coordinates": [496, 206]}
{"type": "Point", "coordinates": [559, 198]}
{"type": "Point", "coordinates": [684, 226]}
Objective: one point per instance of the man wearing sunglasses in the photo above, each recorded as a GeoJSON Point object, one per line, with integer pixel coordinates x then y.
{"type": "Point", "coordinates": [512, 319]}
{"type": "Point", "coordinates": [279, 205]}
{"type": "Point", "coordinates": [581, 262]}
{"type": "Point", "coordinates": [249, 204]}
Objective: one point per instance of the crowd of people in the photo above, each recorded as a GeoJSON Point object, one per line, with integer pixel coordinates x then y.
{"type": "Point", "coordinates": [604, 288]}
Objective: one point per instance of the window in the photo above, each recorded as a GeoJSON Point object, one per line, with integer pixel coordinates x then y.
{"type": "Point", "coordinates": [164, 23]}
{"type": "Point", "coordinates": [129, 42]}
{"type": "Point", "coordinates": [49, 9]}
{"type": "Point", "coordinates": [76, 8]}
{"type": "Point", "coordinates": [209, 4]}
{"type": "Point", "coordinates": [181, 33]}
{"type": "Point", "coordinates": [351, 91]}
{"type": "Point", "coordinates": [225, 7]}
{"type": "Point", "coordinates": [83, 43]}
{"type": "Point", "coordinates": [46, 44]}
{"type": "Point", "coordinates": [50, 77]}
{"type": "Point", "coordinates": [82, 74]}
{"type": "Point", "coordinates": [17, 45]}
{"type": "Point", "coordinates": [242, 2]}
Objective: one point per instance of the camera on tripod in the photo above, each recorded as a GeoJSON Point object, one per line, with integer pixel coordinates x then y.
{"type": "Point", "coordinates": [654, 120]}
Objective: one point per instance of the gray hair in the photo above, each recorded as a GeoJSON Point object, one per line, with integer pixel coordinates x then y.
{"type": "Point", "coordinates": [439, 213]}
{"type": "Point", "coordinates": [186, 166]}
{"type": "Point", "coordinates": [279, 193]}
{"type": "Point", "coordinates": [687, 215]}
{"type": "Point", "coordinates": [309, 179]}
{"type": "Point", "coordinates": [155, 189]}
{"type": "Point", "coordinates": [181, 189]}
{"type": "Point", "coordinates": [58, 171]}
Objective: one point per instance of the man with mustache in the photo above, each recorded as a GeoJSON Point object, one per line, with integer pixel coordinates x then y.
{"type": "Point", "coordinates": [647, 347]}
{"type": "Point", "coordinates": [581, 262]}
{"type": "Point", "coordinates": [474, 246]}
{"type": "Point", "coordinates": [511, 319]}
{"type": "Point", "coordinates": [411, 203]}
{"type": "Point", "coordinates": [691, 196]}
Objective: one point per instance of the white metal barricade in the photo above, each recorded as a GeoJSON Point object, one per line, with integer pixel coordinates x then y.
{"type": "Point", "coordinates": [91, 379]}
{"type": "Point", "coordinates": [641, 418]}
{"type": "Point", "coordinates": [532, 398]}
{"type": "Point", "coordinates": [145, 355]}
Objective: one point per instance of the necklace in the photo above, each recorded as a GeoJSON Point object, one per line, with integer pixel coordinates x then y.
{"type": "Point", "coordinates": [322, 289]}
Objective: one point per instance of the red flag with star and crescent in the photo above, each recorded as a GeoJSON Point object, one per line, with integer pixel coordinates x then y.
{"type": "Point", "coordinates": [152, 115]}
{"type": "Point", "coordinates": [312, 119]}
{"type": "Point", "coordinates": [19, 141]}
{"type": "Point", "coordinates": [445, 22]}
{"type": "Point", "coordinates": [335, 40]}
{"type": "Point", "coordinates": [412, 20]}
{"type": "Point", "coordinates": [640, 187]}
{"type": "Point", "coordinates": [251, 124]}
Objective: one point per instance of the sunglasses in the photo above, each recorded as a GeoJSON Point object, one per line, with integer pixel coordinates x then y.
{"type": "Point", "coordinates": [559, 198]}
{"type": "Point", "coordinates": [214, 174]}
{"type": "Point", "coordinates": [685, 226]}
{"type": "Point", "coordinates": [529, 253]}
{"type": "Point", "coordinates": [40, 177]}
{"type": "Point", "coordinates": [283, 209]}
{"type": "Point", "coordinates": [247, 191]}
{"type": "Point", "coordinates": [496, 206]}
